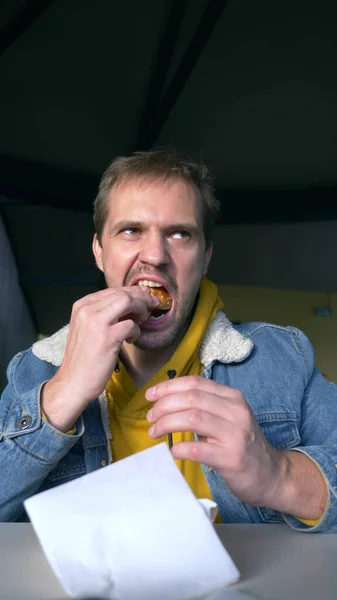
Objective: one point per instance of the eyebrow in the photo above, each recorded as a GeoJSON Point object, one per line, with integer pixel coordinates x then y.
{"type": "Point", "coordinates": [125, 224]}
{"type": "Point", "coordinates": [128, 224]}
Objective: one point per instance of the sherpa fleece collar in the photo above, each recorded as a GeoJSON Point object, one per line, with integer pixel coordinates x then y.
{"type": "Point", "coordinates": [222, 342]}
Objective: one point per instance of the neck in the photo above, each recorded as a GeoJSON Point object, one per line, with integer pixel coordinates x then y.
{"type": "Point", "coordinates": [141, 365]}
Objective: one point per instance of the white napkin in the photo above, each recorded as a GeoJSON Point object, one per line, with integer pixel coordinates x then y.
{"type": "Point", "coordinates": [131, 531]}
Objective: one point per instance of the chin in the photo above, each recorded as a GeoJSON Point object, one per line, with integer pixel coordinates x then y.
{"type": "Point", "coordinates": [156, 341]}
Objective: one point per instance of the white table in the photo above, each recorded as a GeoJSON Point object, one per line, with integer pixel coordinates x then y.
{"type": "Point", "coordinates": [275, 563]}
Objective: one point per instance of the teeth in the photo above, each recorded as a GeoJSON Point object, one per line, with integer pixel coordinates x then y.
{"type": "Point", "coordinates": [149, 283]}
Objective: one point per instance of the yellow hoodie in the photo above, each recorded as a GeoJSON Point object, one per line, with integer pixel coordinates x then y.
{"type": "Point", "coordinates": [128, 407]}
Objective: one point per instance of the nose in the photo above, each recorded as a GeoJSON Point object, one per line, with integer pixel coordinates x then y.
{"type": "Point", "coordinates": [153, 250]}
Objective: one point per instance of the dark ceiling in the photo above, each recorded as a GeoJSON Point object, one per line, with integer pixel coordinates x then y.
{"type": "Point", "coordinates": [247, 86]}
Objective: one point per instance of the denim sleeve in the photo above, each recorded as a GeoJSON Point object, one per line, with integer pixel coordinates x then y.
{"type": "Point", "coordinates": [318, 431]}
{"type": "Point", "coordinates": [29, 447]}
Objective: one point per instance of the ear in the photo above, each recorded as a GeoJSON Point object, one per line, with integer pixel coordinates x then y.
{"type": "Point", "coordinates": [98, 251]}
{"type": "Point", "coordinates": [208, 256]}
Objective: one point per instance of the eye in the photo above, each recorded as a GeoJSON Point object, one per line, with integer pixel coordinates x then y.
{"type": "Point", "coordinates": [130, 231]}
{"type": "Point", "coordinates": [181, 235]}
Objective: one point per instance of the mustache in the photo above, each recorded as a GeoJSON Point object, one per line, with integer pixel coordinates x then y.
{"type": "Point", "coordinates": [139, 272]}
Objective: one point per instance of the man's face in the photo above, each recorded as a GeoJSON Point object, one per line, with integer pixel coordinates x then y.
{"type": "Point", "coordinates": [154, 232]}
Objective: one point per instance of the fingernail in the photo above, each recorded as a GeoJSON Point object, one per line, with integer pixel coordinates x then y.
{"type": "Point", "coordinates": [149, 415]}
{"type": "Point", "coordinates": [151, 392]}
{"type": "Point", "coordinates": [152, 430]}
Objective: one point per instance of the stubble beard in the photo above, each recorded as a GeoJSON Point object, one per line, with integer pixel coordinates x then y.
{"type": "Point", "coordinates": [162, 340]}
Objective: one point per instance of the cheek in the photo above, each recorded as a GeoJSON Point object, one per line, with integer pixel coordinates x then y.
{"type": "Point", "coordinates": [117, 263]}
{"type": "Point", "coordinates": [192, 267]}
{"type": "Point", "coordinates": [189, 276]}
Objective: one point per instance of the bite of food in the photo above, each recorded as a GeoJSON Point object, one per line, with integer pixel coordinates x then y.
{"type": "Point", "coordinates": [156, 289]}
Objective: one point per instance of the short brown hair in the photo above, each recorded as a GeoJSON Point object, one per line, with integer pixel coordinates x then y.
{"type": "Point", "coordinates": [156, 164]}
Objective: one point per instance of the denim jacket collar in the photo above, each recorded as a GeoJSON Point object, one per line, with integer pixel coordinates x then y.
{"type": "Point", "coordinates": [222, 342]}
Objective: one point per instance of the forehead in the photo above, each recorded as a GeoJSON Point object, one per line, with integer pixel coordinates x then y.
{"type": "Point", "coordinates": [161, 200]}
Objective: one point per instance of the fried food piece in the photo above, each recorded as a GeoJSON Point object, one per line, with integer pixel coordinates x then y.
{"type": "Point", "coordinates": [164, 298]}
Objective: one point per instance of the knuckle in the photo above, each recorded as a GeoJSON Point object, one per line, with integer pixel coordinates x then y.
{"type": "Point", "coordinates": [82, 314]}
{"type": "Point", "coordinates": [127, 330]}
{"type": "Point", "coordinates": [129, 325]}
{"type": "Point", "coordinates": [125, 326]}
{"type": "Point", "coordinates": [123, 299]}
{"type": "Point", "coordinates": [195, 451]}
{"type": "Point", "coordinates": [189, 398]}
{"type": "Point", "coordinates": [77, 305]}
{"type": "Point", "coordinates": [194, 381]}
{"type": "Point", "coordinates": [194, 398]}
{"type": "Point", "coordinates": [195, 417]}
{"type": "Point", "coordinates": [198, 395]}
{"type": "Point", "coordinates": [123, 295]}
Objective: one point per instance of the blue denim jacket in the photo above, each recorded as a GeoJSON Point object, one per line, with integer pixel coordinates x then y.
{"type": "Point", "coordinates": [272, 366]}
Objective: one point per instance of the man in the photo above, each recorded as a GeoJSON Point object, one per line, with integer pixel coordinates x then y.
{"type": "Point", "coordinates": [254, 423]}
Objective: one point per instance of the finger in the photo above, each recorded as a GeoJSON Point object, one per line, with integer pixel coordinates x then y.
{"type": "Point", "coordinates": [184, 384]}
{"type": "Point", "coordinates": [126, 331]}
{"type": "Point", "coordinates": [124, 305]}
{"type": "Point", "coordinates": [211, 455]}
{"type": "Point", "coordinates": [99, 299]}
{"type": "Point", "coordinates": [201, 423]}
{"type": "Point", "coordinates": [136, 308]}
{"type": "Point", "coordinates": [123, 295]}
{"type": "Point", "coordinates": [192, 399]}
{"type": "Point", "coordinates": [92, 298]}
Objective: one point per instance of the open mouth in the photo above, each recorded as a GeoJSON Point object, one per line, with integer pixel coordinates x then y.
{"type": "Point", "coordinates": [165, 300]}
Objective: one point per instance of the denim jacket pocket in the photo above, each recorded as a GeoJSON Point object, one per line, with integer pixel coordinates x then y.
{"type": "Point", "coordinates": [69, 467]}
{"type": "Point", "coordinates": [280, 429]}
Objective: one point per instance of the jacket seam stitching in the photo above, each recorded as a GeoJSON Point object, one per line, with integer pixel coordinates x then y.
{"type": "Point", "coordinates": [7, 417]}
{"type": "Point", "coordinates": [302, 353]}
{"type": "Point", "coordinates": [284, 328]}
{"type": "Point", "coordinates": [271, 417]}
{"type": "Point", "coordinates": [13, 371]}
{"type": "Point", "coordinates": [35, 454]}
{"type": "Point", "coordinates": [80, 470]}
